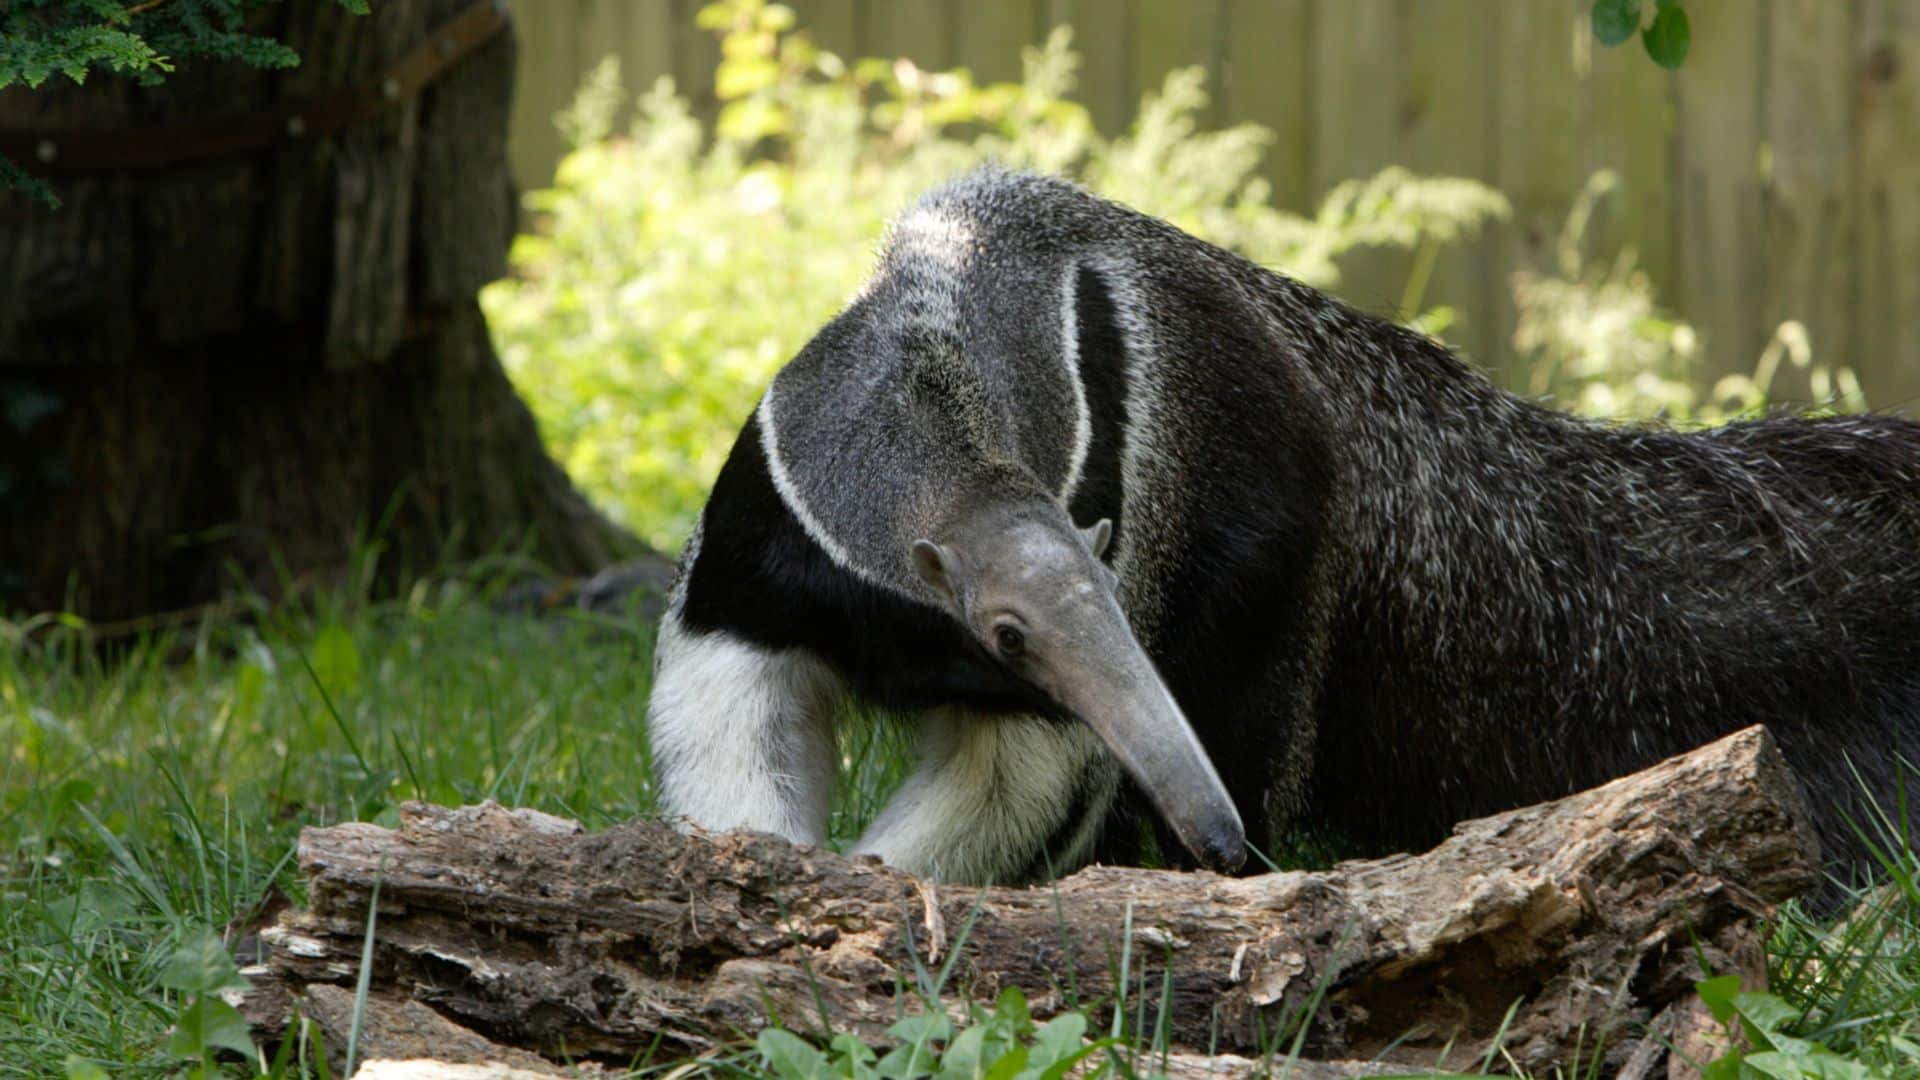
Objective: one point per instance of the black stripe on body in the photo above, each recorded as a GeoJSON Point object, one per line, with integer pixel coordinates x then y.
{"type": "Point", "coordinates": [1103, 378]}
{"type": "Point", "coordinates": [759, 576]}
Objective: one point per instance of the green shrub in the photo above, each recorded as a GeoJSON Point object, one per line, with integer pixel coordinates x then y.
{"type": "Point", "coordinates": [1597, 342]}
{"type": "Point", "coordinates": [675, 270]}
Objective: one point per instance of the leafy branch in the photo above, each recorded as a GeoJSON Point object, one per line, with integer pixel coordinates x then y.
{"type": "Point", "coordinates": [140, 41]}
{"type": "Point", "coordinates": [1666, 38]}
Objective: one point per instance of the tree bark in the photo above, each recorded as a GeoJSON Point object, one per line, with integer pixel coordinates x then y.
{"type": "Point", "coordinates": [252, 366]}
{"type": "Point", "coordinates": [1588, 917]}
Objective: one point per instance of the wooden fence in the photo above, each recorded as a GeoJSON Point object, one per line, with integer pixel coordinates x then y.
{"type": "Point", "coordinates": [1776, 176]}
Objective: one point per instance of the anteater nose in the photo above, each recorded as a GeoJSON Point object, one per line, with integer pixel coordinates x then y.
{"type": "Point", "coordinates": [1225, 848]}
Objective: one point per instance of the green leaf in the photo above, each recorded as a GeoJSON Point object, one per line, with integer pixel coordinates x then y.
{"type": "Point", "coordinates": [1768, 1012]}
{"type": "Point", "coordinates": [922, 1028]}
{"type": "Point", "coordinates": [95, 907]}
{"type": "Point", "coordinates": [852, 1058]}
{"type": "Point", "coordinates": [778, 18]}
{"type": "Point", "coordinates": [1831, 1066]}
{"type": "Point", "coordinates": [1667, 39]}
{"type": "Point", "coordinates": [848, 1045]}
{"type": "Point", "coordinates": [790, 1056]}
{"type": "Point", "coordinates": [1012, 1008]}
{"type": "Point", "coordinates": [1060, 1068]}
{"type": "Point", "coordinates": [1614, 21]}
{"type": "Point", "coordinates": [202, 965]}
{"type": "Point", "coordinates": [1008, 1065]}
{"type": "Point", "coordinates": [79, 1068]}
{"type": "Point", "coordinates": [738, 78]}
{"type": "Point", "coordinates": [1060, 1037]}
{"type": "Point", "coordinates": [914, 1057]}
{"type": "Point", "coordinates": [336, 660]}
{"type": "Point", "coordinates": [908, 1061]}
{"type": "Point", "coordinates": [208, 1023]}
{"type": "Point", "coordinates": [963, 1057]}
{"type": "Point", "coordinates": [1717, 994]}
{"type": "Point", "coordinates": [751, 119]}
{"type": "Point", "coordinates": [249, 690]}
{"type": "Point", "coordinates": [1725, 1067]}
{"type": "Point", "coordinates": [1781, 1066]}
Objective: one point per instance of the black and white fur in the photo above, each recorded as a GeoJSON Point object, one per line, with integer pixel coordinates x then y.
{"type": "Point", "coordinates": [1386, 594]}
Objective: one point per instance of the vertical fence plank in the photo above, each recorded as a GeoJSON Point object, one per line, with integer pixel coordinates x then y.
{"type": "Point", "coordinates": [1356, 129]}
{"type": "Point", "coordinates": [545, 77]}
{"type": "Point", "coordinates": [834, 25]}
{"type": "Point", "coordinates": [646, 51]}
{"type": "Point", "coordinates": [1808, 226]}
{"type": "Point", "coordinates": [1719, 183]}
{"type": "Point", "coordinates": [1101, 29]}
{"type": "Point", "coordinates": [1887, 193]}
{"type": "Point", "coordinates": [1168, 36]}
{"type": "Point", "coordinates": [1268, 80]}
{"type": "Point", "coordinates": [919, 30]}
{"type": "Point", "coordinates": [696, 55]}
{"type": "Point", "coordinates": [1632, 135]}
{"type": "Point", "coordinates": [597, 35]}
{"type": "Point", "coordinates": [989, 34]}
{"type": "Point", "coordinates": [605, 28]}
{"type": "Point", "coordinates": [637, 33]}
{"type": "Point", "coordinates": [1450, 81]}
{"type": "Point", "coordinates": [1542, 120]}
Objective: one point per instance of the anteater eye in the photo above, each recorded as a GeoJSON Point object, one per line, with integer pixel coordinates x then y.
{"type": "Point", "coordinates": [1010, 641]}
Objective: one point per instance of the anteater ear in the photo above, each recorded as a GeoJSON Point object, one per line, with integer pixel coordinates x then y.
{"type": "Point", "coordinates": [931, 561]}
{"type": "Point", "coordinates": [1098, 535]}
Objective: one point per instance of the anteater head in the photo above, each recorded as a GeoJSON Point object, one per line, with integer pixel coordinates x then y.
{"type": "Point", "coordinates": [1031, 590]}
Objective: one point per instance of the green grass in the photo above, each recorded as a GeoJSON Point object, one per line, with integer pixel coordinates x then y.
{"type": "Point", "coordinates": [151, 791]}
{"type": "Point", "coordinates": [148, 796]}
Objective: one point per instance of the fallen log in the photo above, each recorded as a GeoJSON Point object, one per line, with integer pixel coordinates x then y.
{"type": "Point", "coordinates": [1558, 929]}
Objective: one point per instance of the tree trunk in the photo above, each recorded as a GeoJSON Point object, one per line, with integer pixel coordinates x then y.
{"type": "Point", "coordinates": [243, 364]}
{"type": "Point", "coordinates": [1590, 917]}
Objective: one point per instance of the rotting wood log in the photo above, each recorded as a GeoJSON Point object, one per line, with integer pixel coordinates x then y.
{"type": "Point", "coordinates": [415, 1043]}
{"type": "Point", "coordinates": [1588, 916]}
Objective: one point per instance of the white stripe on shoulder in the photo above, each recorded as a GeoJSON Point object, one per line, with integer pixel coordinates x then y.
{"type": "Point", "coordinates": [1150, 473]}
{"type": "Point", "coordinates": [790, 495]}
{"type": "Point", "coordinates": [1070, 357]}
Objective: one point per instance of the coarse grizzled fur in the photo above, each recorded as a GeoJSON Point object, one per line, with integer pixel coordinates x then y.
{"type": "Point", "coordinates": [1387, 594]}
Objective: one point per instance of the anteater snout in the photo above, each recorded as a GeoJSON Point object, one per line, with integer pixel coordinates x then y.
{"type": "Point", "coordinates": [1224, 848]}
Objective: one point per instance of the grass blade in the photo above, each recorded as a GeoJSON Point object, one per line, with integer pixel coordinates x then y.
{"type": "Point", "coordinates": [365, 980]}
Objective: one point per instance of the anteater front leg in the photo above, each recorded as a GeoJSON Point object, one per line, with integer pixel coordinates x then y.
{"type": "Point", "coordinates": [742, 735]}
{"type": "Point", "coordinates": [996, 799]}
